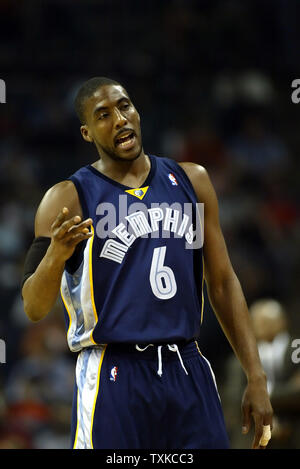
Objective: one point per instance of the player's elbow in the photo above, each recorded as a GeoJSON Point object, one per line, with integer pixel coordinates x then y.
{"type": "Point", "coordinates": [33, 313]}
{"type": "Point", "coordinates": [32, 310]}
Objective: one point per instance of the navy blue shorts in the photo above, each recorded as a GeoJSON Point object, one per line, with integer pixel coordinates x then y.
{"type": "Point", "coordinates": [121, 402]}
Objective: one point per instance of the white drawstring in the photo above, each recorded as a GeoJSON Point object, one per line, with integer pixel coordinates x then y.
{"type": "Point", "coordinates": [172, 348]}
{"type": "Point", "coordinates": [176, 349]}
{"type": "Point", "coordinates": [143, 349]}
{"type": "Point", "coordinates": [159, 371]}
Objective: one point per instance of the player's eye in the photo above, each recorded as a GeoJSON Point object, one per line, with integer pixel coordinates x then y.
{"type": "Point", "coordinates": [103, 115]}
{"type": "Point", "coordinates": [125, 106]}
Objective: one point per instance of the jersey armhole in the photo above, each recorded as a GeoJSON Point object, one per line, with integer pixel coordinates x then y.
{"type": "Point", "coordinates": [81, 197]}
{"type": "Point", "coordinates": [74, 262]}
{"type": "Point", "coordinates": [187, 179]}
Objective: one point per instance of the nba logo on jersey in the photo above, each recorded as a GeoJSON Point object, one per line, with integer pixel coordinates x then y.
{"type": "Point", "coordinates": [113, 373]}
{"type": "Point", "coordinates": [173, 179]}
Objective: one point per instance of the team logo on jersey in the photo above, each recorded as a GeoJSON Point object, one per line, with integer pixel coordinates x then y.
{"type": "Point", "coordinates": [113, 373]}
{"type": "Point", "coordinates": [173, 179]}
{"type": "Point", "coordinates": [139, 192]}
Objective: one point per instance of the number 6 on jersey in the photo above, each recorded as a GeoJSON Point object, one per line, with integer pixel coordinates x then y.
{"type": "Point", "coordinates": [162, 278]}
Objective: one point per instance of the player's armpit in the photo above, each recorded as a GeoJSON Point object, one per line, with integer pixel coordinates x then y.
{"type": "Point", "coordinates": [218, 268]}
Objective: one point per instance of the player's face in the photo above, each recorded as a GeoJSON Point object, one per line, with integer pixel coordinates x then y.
{"type": "Point", "coordinates": [113, 124]}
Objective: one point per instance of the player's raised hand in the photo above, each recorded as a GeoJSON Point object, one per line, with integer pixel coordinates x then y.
{"type": "Point", "coordinates": [66, 233]}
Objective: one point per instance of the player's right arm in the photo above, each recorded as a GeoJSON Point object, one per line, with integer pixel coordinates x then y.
{"type": "Point", "coordinates": [58, 218]}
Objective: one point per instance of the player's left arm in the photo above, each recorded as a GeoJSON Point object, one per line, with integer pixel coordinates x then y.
{"type": "Point", "coordinates": [228, 301]}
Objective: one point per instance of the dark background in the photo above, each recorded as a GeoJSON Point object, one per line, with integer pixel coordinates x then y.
{"type": "Point", "coordinates": [212, 82]}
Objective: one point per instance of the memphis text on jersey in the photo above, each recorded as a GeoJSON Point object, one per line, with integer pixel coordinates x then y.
{"type": "Point", "coordinates": [160, 220]}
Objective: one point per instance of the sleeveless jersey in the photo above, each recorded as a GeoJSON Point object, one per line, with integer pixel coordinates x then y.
{"type": "Point", "coordinates": [139, 278]}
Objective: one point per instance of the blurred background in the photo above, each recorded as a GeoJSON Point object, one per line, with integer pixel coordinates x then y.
{"type": "Point", "coordinates": [212, 82]}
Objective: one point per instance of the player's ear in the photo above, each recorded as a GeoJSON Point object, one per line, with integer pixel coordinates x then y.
{"type": "Point", "coordinates": [86, 133]}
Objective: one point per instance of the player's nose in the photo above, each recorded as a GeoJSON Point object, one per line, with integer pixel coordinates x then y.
{"type": "Point", "coordinates": [120, 119]}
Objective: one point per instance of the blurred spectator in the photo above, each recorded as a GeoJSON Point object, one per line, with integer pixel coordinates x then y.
{"type": "Point", "coordinates": [271, 328]}
{"type": "Point", "coordinates": [249, 87]}
{"type": "Point", "coordinates": [255, 150]}
{"type": "Point", "coordinates": [204, 146]}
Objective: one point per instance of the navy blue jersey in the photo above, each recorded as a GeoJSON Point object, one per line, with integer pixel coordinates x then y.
{"type": "Point", "coordinates": [139, 278]}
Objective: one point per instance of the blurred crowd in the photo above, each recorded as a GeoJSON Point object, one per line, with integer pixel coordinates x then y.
{"type": "Point", "coordinates": [212, 83]}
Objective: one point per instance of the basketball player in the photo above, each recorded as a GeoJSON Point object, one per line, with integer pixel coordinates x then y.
{"type": "Point", "coordinates": [115, 240]}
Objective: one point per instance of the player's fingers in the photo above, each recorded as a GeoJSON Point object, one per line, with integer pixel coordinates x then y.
{"type": "Point", "coordinates": [76, 230]}
{"type": "Point", "coordinates": [66, 225]}
{"type": "Point", "coordinates": [266, 436]}
{"type": "Point", "coordinates": [81, 226]}
{"type": "Point", "coordinates": [258, 419]}
{"type": "Point", "coordinates": [60, 218]}
{"type": "Point", "coordinates": [78, 237]}
{"type": "Point", "coordinates": [246, 418]}
{"type": "Point", "coordinates": [267, 430]}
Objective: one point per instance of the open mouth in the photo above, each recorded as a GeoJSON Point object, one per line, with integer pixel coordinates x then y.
{"type": "Point", "coordinates": [125, 141]}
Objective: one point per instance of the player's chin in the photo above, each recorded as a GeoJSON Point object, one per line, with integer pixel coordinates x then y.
{"type": "Point", "coordinates": [129, 154]}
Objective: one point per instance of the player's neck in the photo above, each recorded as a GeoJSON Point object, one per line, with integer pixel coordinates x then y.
{"type": "Point", "coordinates": [130, 173]}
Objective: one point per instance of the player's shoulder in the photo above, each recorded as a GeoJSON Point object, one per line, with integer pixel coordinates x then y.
{"type": "Point", "coordinates": [198, 177]}
{"type": "Point", "coordinates": [193, 169]}
{"type": "Point", "coordinates": [62, 194]}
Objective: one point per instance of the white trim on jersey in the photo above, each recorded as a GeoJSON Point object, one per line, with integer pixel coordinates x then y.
{"type": "Point", "coordinates": [78, 298]}
{"type": "Point", "coordinates": [88, 369]}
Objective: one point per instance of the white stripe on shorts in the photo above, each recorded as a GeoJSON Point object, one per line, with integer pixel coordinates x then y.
{"type": "Point", "coordinates": [212, 374]}
{"type": "Point", "coordinates": [88, 370]}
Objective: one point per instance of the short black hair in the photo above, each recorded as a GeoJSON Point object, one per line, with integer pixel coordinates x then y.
{"type": "Point", "coordinates": [86, 90]}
